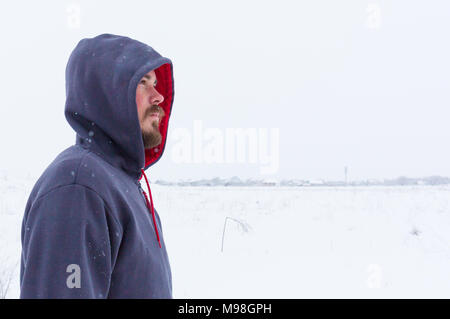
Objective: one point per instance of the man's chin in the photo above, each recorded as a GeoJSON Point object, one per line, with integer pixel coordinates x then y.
{"type": "Point", "coordinates": [151, 140]}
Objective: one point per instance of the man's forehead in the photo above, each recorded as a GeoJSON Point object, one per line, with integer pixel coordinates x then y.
{"type": "Point", "coordinates": [150, 74]}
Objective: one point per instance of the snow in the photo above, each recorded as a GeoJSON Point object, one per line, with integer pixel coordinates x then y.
{"type": "Point", "coordinates": [308, 242]}
{"type": "Point", "coordinates": [284, 242]}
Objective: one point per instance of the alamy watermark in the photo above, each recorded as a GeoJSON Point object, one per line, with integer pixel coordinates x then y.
{"type": "Point", "coordinates": [231, 145]}
{"type": "Point", "coordinates": [373, 18]}
{"type": "Point", "coordinates": [74, 279]}
{"type": "Point", "coordinates": [73, 11]}
{"type": "Point", "coordinates": [375, 276]}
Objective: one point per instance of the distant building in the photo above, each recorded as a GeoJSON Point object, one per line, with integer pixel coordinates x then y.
{"type": "Point", "coordinates": [270, 183]}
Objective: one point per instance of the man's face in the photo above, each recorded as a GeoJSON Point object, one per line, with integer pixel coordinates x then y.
{"type": "Point", "coordinates": [149, 111]}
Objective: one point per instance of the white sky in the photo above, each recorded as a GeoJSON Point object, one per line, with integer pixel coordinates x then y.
{"type": "Point", "coordinates": [345, 84]}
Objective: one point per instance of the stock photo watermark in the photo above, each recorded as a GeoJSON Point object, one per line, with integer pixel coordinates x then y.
{"type": "Point", "coordinates": [74, 279]}
{"type": "Point", "coordinates": [259, 146]}
{"type": "Point", "coordinates": [73, 16]}
{"type": "Point", "coordinates": [373, 18]}
{"type": "Point", "coordinates": [375, 276]}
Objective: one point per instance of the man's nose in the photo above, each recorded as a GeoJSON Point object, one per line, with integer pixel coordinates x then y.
{"type": "Point", "coordinates": [156, 97]}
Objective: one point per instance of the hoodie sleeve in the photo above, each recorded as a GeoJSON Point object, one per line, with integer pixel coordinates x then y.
{"type": "Point", "coordinates": [67, 250]}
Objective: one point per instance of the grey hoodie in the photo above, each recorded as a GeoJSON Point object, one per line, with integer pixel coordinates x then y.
{"type": "Point", "coordinates": [89, 230]}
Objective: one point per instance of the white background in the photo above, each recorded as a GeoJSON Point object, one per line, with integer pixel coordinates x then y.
{"type": "Point", "coordinates": [356, 83]}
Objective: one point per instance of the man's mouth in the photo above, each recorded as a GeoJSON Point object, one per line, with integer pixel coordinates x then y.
{"type": "Point", "coordinates": [156, 115]}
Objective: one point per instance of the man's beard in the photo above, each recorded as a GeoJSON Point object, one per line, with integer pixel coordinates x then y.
{"type": "Point", "coordinates": [152, 138]}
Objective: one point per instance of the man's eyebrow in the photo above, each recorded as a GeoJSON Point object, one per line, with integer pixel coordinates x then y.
{"type": "Point", "coordinates": [148, 78]}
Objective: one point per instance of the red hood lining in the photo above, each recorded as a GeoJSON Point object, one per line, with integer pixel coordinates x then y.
{"type": "Point", "coordinates": [165, 87]}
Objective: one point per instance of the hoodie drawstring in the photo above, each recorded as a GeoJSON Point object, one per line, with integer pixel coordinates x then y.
{"type": "Point", "coordinates": [148, 205]}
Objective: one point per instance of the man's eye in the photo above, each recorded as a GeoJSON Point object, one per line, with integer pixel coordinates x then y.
{"type": "Point", "coordinates": [143, 82]}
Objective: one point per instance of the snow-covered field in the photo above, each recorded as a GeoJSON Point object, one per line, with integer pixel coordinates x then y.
{"type": "Point", "coordinates": [309, 242]}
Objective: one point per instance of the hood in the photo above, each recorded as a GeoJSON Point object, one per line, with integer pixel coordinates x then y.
{"type": "Point", "coordinates": [102, 75]}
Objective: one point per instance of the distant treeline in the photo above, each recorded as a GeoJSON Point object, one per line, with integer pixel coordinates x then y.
{"type": "Point", "coordinates": [236, 181]}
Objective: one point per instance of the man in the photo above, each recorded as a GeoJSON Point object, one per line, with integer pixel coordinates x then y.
{"type": "Point", "coordinates": [89, 229]}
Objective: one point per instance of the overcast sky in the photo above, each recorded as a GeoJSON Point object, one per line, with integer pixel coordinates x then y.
{"type": "Point", "coordinates": [356, 83]}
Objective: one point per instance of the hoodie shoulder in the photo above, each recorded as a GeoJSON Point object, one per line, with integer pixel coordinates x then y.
{"type": "Point", "coordinates": [61, 171]}
{"type": "Point", "coordinates": [74, 165]}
